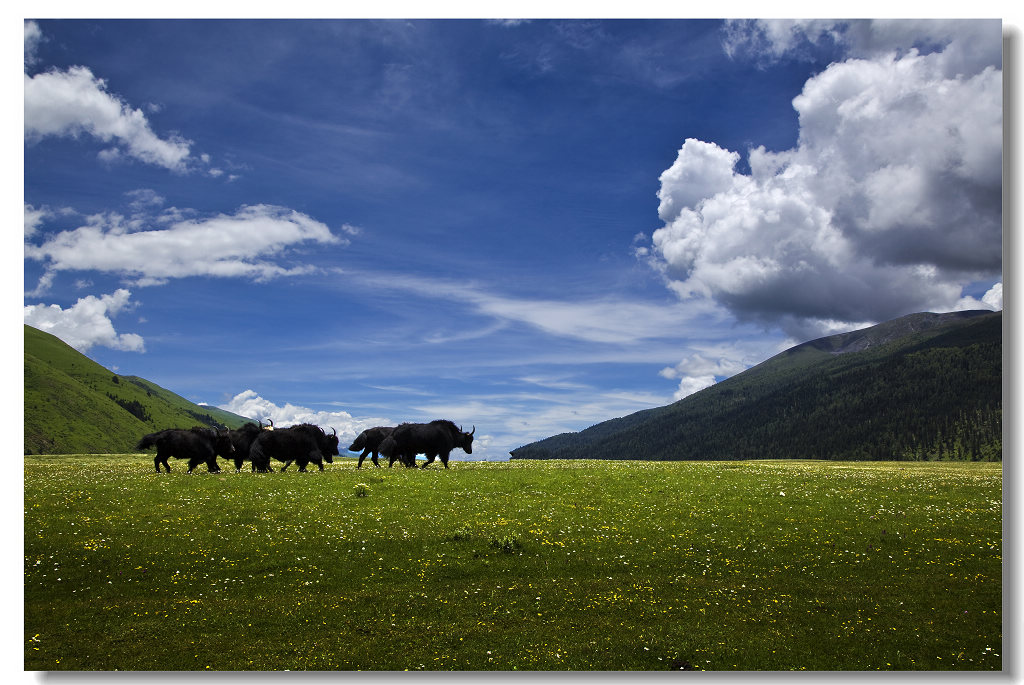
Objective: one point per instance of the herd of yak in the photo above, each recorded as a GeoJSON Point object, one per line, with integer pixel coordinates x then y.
{"type": "Point", "coordinates": [304, 444]}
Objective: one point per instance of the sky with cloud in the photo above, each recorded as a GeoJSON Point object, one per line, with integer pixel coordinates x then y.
{"type": "Point", "coordinates": [524, 226]}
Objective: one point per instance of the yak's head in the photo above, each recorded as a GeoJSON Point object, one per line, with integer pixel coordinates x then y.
{"type": "Point", "coordinates": [222, 443]}
{"type": "Point", "coordinates": [329, 445]}
{"type": "Point", "coordinates": [467, 440]}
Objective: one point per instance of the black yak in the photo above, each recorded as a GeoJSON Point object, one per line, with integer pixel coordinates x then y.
{"type": "Point", "coordinates": [304, 443]}
{"type": "Point", "coordinates": [434, 439]}
{"type": "Point", "coordinates": [198, 445]}
{"type": "Point", "coordinates": [369, 442]}
{"type": "Point", "coordinates": [242, 439]}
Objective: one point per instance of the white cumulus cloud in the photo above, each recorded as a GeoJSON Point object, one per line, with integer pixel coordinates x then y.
{"type": "Point", "coordinates": [964, 46]}
{"type": "Point", "coordinates": [992, 299]}
{"type": "Point", "coordinates": [890, 203]}
{"type": "Point", "coordinates": [248, 243]}
{"type": "Point", "coordinates": [250, 404]}
{"type": "Point", "coordinates": [691, 384]}
{"type": "Point", "coordinates": [709, 363]}
{"type": "Point", "coordinates": [75, 102]}
{"type": "Point", "coordinates": [87, 322]}
{"type": "Point", "coordinates": [34, 218]}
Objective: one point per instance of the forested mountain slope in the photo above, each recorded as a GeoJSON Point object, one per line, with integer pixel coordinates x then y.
{"type": "Point", "coordinates": [925, 386]}
{"type": "Point", "coordinates": [74, 405]}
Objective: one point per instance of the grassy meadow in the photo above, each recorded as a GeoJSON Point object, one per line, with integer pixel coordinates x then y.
{"type": "Point", "coordinates": [523, 565]}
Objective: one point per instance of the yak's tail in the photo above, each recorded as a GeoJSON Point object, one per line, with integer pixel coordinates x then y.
{"type": "Point", "coordinates": [147, 441]}
{"type": "Point", "coordinates": [358, 444]}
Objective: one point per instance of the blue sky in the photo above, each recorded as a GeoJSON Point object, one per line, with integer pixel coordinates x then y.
{"type": "Point", "coordinates": [529, 227]}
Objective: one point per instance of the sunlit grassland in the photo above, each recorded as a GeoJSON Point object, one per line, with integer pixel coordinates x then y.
{"type": "Point", "coordinates": [544, 565]}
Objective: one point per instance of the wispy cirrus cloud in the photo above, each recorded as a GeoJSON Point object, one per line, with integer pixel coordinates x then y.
{"type": "Point", "coordinates": [583, 331]}
{"type": "Point", "coordinates": [610, 320]}
{"type": "Point", "coordinates": [594, 331]}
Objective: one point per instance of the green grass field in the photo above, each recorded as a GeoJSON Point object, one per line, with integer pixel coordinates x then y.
{"type": "Point", "coordinates": [538, 565]}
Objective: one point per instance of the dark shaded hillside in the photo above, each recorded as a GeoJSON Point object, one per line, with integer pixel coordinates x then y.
{"type": "Point", "coordinates": [74, 405]}
{"type": "Point", "coordinates": [926, 386]}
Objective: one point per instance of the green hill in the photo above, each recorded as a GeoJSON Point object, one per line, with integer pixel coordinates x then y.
{"type": "Point", "coordinates": [925, 386]}
{"type": "Point", "coordinates": [75, 406]}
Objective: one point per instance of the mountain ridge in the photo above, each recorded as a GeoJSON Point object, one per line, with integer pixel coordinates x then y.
{"type": "Point", "coordinates": [889, 331]}
{"type": "Point", "coordinates": [919, 387]}
{"type": "Point", "coordinates": [74, 405]}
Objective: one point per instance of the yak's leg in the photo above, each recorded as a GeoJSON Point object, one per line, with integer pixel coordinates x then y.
{"type": "Point", "coordinates": [363, 456]}
{"type": "Point", "coordinates": [287, 464]}
{"type": "Point", "coordinates": [156, 463]}
{"type": "Point", "coordinates": [374, 458]}
{"type": "Point", "coordinates": [429, 461]}
{"type": "Point", "coordinates": [162, 455]}
{"type": "Point", "coordinates": [313, 458]}
{"type": "Point", "coordinates": [211, 463]}
{"type": "Point", "coordinates": [444, 459]}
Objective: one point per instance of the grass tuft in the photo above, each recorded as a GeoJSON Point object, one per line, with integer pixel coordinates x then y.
{"type": "Point", "coordinates": [507, 544]}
